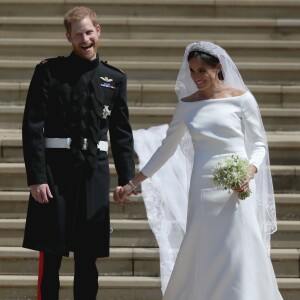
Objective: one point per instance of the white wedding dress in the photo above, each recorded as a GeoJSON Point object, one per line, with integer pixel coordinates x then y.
{"type": "Point", "coordinates": [222, 255]}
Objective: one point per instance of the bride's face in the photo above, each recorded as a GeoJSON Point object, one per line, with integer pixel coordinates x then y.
{"type": "Point", "coordinates": [204, 75]}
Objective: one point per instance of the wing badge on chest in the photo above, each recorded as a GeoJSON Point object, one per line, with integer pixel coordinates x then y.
{"type": "Point", "coordinates": [107, 82]}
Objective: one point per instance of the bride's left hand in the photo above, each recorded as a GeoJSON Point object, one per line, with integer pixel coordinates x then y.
{"type": "Point", "coordinates": [244, 187]}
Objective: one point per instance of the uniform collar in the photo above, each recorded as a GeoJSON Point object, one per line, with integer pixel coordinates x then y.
{"type": "Point", "coordinates": [83, 65]}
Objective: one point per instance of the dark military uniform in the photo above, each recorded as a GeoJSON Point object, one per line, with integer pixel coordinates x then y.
{"type": "Point", "coordinates": [70, 97]}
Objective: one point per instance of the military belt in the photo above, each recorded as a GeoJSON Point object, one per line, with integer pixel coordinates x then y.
{"type": "Point", "coordinates": [64, 143]}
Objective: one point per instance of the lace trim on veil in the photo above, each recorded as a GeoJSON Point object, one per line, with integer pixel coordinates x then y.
{"type": "Point", "coordinates": [165, 197]}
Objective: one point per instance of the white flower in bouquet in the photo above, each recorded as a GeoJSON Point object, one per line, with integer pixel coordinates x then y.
{"type": "Point", "coordinates": [230, 173]}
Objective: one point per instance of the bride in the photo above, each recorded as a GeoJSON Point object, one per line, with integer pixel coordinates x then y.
{"type": "Point", "coordinates": [213, 246]}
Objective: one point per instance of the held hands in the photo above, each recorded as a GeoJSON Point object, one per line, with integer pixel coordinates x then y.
{"type": "Point", "coordinates": [41, 193]}
{"type": "Point", "coordinates": [122, 193]}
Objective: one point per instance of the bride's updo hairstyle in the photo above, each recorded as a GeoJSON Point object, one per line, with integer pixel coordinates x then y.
{"type": "Point", "coordinates": [212, 55]}
{"type": "Point", "coordinates": [209, 59]}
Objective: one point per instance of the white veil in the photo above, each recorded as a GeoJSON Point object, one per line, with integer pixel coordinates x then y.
{"type": "Point", "coordinates": [166, 211]}
{"type": "Point", "coordinates": [165, 196]}
{"type": "Point", "coordinates": [185, 86]}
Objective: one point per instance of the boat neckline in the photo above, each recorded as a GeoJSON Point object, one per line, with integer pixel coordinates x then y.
{"type": "Point", "coordinates": [215, 99]}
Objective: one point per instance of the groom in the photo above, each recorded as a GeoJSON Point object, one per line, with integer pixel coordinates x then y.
{"type": "Point", "coordinates": [71, 105]}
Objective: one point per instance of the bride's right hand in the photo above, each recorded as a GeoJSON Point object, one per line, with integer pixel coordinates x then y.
{"type": "Point", "coordinates": [128, 190]}
{"type": "Point", "coordinates": [122, 193]}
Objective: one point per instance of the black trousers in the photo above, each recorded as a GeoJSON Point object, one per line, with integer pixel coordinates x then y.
{"type": "Point", "coordinates": [85, 285]}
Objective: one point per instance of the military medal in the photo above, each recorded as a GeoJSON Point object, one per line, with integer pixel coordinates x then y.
{"type": "Point", "coordinates": [108, 85]}
{"type": "Point", "coordinates": [106, 112]}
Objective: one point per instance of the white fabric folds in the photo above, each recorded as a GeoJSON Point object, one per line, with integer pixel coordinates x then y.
{"type": "Point", "coordinates": [165, 196]}
{"type": "Point", "coordinates": [218, 127]}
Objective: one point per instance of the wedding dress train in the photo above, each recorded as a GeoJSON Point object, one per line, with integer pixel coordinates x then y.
{"type": "Point", "coordinates": [221, 254]}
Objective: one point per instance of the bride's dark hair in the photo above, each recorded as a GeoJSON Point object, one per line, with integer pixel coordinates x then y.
{"type": "Point", "coordinates": [209, 59]}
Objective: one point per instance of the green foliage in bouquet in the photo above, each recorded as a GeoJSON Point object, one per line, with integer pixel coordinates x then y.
{"type": "Point", "coordinates": [230, 173]}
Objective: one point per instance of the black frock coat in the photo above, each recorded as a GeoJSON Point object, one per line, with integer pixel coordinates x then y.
{"type": "Point", "coordinates": [77, 217]}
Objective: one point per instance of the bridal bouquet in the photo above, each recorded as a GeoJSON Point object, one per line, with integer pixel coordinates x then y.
{"type": "Point", "coordinates": [230, 173]}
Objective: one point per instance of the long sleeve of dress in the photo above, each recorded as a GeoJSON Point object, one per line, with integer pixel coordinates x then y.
{"type": "Point", "coordinates": [168, 147]}
{"type": "Point", "coordinates": [254, 130]}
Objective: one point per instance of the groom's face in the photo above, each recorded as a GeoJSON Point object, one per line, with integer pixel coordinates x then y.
{"type": "Point", "coordinates": [84, 37]}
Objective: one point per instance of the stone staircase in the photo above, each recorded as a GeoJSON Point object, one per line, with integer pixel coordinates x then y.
{"type": "Point", "coordinates": [147, 39]}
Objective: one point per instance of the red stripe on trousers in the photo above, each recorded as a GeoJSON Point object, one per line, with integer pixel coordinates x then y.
{"type": "Point", "coordinates": [40, 275]}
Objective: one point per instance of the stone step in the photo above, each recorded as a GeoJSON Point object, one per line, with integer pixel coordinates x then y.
{"type": "Point", "coordinates": [288, 206]}
{"type": "Point", "coordinates": [13, 205]}
{"type": "Point", "coordinates": [283, 148]}
{"type": "Point", "coordinates": [275, 119]}
{"type": "Point", "coordinates": [159, 94]}
{"type": "Point", "coordinates": [151, 49]}
{"type": "Point", "coordinates": [127, 262]}
{"type": "Point", "coordinates": [137, 233]}
{"type": "Point", "coordinates": [287, 235]}
{"type": "Point", "coordinates": [13, 176]}
{"type": "Point", "coordinates": [160, 27]}
{"type": "Point", "coordinates": [164, 72]}
{"type": "Point", "coordinates": [286, 179]}
{"type": "Point", "coordinates": [16, 287]}
{"type": "Point", "coordinates": [122, 262]}
{"type": "Point", "coordinates": [284, 145]}
{"type": "Point", "coordinates": [286, 262]}
{"type": "Point", "coordinates": [126, 233]}
{"type": "Point", "coordinates": [208, 8]}
{"type": "Point", "coordinates": [289, 288]}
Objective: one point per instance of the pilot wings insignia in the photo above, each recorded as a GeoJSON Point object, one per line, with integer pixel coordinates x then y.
{"type": "Point", "coordinates": [106, 79]}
